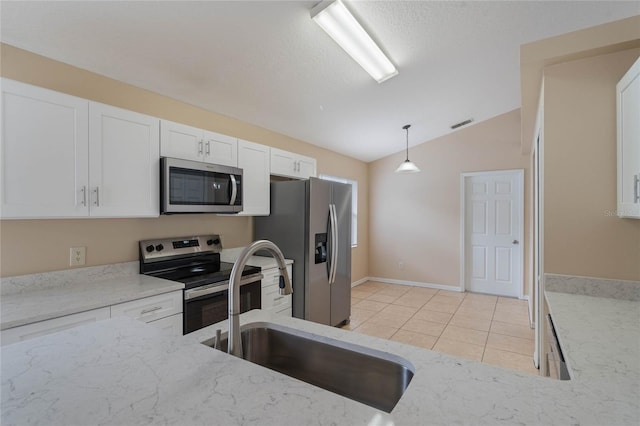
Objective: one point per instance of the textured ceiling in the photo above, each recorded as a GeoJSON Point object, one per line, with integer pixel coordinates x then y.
{"type": "Point", "coordinates": [268, 63]}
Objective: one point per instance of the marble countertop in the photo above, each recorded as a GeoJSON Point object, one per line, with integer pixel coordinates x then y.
{"type": "Point", "coordinates": [123, 372]}
{"type": "Point", "coordinates": [32, 298]}
{"type": "Point", "coordinates": [600, 339]}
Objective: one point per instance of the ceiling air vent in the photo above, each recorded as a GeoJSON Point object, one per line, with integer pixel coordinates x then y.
{"type": "Point", "coordinates": [462, 123]}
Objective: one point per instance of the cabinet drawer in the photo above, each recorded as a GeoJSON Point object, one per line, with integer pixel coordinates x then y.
{"type": "Point", "coordinates": [171, 325]}
{"type": "Point", "coordinates": [30, 331]}
{"type": "Point", "coordinates": [150, 308]}
{"type": "Point", "coordinates": [284, 311]}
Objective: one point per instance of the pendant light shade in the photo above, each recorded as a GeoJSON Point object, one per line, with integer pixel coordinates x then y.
{"type": "Point", "coordinates": [407, 166]}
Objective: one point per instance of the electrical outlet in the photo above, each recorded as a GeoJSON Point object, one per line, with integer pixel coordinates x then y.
{"type": "Point", "coordinates": [401, 264]}
{"type": "Point", "coordinates": [77, 256]}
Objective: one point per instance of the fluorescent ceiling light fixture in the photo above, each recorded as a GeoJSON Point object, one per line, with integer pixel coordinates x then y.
{"type": "Point", "coordinates": [343, 28]}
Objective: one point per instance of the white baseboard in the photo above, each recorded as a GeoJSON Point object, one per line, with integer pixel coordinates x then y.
{"type": "Point", "coordinates": [416, 284]}
{"type": "Point", "coordinates": [357, 283]}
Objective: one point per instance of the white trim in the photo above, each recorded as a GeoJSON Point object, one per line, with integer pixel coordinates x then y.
{"type": "Point", "coordinates": [520, 175]}
{"type": "Point", "coordinates": [416, 284]}
{"type": "Point", "coordinates": [360, 281]}
{"type": "Point", "coordinates": [539, 344]}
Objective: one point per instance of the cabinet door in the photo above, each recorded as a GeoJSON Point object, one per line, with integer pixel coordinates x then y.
{"type": "Point", "coordinates": [283, 163]}
{"type": "Point", "coordinates": [628, 117]}
{"type": "Point", "coordinates": [43, 153]}
{"type": "Point", "coordinates": [220, 149]}
{"type": "Point", "coordinates": [30, 331]}
{"type": "Point", "coordinates": [254, 160]}
{"type": "Point", "coordinates": [171, 325]}
{"type": "Point", "coordinates": [306, 167]}
{"type": "Point", "coordinates": [181, 141]}
{"type": "Point", "coordinates": [124, 163]}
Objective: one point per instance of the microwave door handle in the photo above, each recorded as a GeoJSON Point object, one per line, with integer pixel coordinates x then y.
{"type": "Point", "coordinates": [234, 190]}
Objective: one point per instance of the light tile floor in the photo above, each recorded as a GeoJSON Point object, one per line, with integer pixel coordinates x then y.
{"type": "Point", "coordinates": [485, 328]}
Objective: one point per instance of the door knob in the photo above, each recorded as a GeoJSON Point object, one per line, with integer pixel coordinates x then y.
{"type": "Point", "coordinates": [516, 242]}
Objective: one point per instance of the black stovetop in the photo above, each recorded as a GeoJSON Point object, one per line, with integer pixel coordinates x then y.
{"type": "Point", "coordinates": [195, 271]}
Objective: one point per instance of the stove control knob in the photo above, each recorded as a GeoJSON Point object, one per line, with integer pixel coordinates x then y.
{"type": "Point", "coordinates": [159, 247]}
{"type": "Point", "coordinates": [149, 248]}
{"type": "Point", "coordinates": [212, 242]}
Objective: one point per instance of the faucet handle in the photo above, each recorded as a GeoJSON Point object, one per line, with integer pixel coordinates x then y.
{"type": "Point", "coordinates": [284, 289]}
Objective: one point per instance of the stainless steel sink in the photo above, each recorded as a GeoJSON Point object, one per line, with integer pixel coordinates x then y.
{"type": "Point", "coordinates": [362, 374]}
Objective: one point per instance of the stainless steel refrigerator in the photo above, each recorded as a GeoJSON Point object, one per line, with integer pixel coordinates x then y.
{"type": "Point", "coordinates": [310, 221]}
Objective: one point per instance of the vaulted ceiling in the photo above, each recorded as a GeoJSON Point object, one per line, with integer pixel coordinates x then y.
{"type": "Point", "coordinates": [269, 64]}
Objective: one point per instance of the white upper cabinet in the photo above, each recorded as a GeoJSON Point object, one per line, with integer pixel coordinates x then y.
{"type": "Point", "coordinates": [43, 153]}
{"type": "Point", "coordinates": [254, 160]}
{"type": "Point", "coordinates": [288, 164]}
{"type": "Point", "coordinates": [628, 123]}
{"type": "Point", "coordinates": [63, 156]}
{"type": "Point", "coordinates": [124, 163]}
{"type": "Point", "coordinates": [220, 149]}
{"type": "Point", "coordinates": [190, 143]}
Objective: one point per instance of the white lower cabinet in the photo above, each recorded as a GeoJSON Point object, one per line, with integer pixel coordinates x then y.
{"type": "Point", "coordinates": [163, 311]}
{"type": "Point", "coordinates": [272, 300]}
{"type": "Point", "coordinates": [170, 325]}
{"type": "Point", "coordinates": [150, 308]}
{"type": "Point", "coordinates": [30, 331]}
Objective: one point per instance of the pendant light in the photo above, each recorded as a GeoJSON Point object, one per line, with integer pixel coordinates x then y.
{"type": "Point", "coordinates": [407, 166]}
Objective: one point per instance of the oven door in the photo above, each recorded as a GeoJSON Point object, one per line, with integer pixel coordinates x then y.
{"type": "Point", "coordinates": [208, 305]}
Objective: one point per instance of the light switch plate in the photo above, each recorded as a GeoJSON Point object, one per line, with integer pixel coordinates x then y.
{"type": "Point", "coordinates": [77, 256]}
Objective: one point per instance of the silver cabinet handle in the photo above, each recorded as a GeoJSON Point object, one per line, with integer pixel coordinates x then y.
{"type": "Point", "coordinates": [200, 147]}
{"type": "Point", "coordinates": [149, 310]}
{"type": "Point", "coordinates": [84, 195]}
{"type": "Point", "coordinates": [636, 188]}
{"type": "Point", "coordinates": [97, 192]}
{"type": "Point", "coordinates": [208, 148]}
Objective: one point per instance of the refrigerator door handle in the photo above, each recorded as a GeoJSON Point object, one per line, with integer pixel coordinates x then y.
{"type": "Point", "coordinates": [334, 243]}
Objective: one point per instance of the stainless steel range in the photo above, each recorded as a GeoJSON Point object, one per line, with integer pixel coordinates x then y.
{"type": "Point", "coordinates": [195, 261]}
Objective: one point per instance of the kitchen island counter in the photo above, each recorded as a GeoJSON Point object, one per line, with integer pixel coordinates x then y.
{"type": "Point", "coordinates": [120, 371]}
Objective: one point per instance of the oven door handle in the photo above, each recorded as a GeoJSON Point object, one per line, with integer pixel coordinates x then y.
{"type": "Point", "coordinates": [218, 287]}
{"type": "Point", "coordinates": [206, 290]}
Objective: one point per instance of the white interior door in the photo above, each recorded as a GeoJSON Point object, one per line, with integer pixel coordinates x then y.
{"type": "Point", "coordinates": [493, 232]}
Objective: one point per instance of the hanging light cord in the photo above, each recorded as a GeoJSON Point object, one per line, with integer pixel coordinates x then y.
{"type": "Point", "coordinates": [406, 127]}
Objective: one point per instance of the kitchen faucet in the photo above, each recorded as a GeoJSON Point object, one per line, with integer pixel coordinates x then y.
{"type": "Point", "coordinates": [234, 340]}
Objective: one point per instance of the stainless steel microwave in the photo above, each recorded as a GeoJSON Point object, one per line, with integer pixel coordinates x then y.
{"type": "Point", "coordinates": [196, 187]}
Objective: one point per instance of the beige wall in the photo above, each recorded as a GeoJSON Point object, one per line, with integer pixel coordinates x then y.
{"type": "Point", "coordinates": [415, 218]}
{"type": "Point", "coordinates": [582, 234]}
{"type": "Point", "coordinates": [29, 246]}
